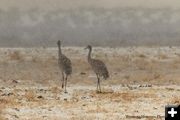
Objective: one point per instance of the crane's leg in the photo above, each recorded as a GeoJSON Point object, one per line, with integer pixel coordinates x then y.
{"type": "Point", "coordinates": [62, 80]}
{"type": "Point", "coordinates": [66, 83]}
{"type": "Point", "coordinates": [98, 84]}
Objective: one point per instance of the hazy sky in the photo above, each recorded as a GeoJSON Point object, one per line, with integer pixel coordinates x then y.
{"type": "Point", "coordinates": [53, 4]}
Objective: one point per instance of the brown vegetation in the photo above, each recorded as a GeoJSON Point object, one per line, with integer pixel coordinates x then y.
{"type": "Point", "coordinates": [139, 77]}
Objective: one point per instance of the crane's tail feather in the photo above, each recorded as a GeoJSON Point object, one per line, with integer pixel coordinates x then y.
{"type": "Point", "coordinates": [106, 76]}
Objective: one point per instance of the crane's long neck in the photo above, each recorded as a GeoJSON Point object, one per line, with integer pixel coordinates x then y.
{"type": "Point", "coordinates": [89, 54]}
{"type": "Point", "coordinates": [59, 52]}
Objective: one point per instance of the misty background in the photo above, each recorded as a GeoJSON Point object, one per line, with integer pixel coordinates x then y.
{"type": "Point", "coordinates": [120, 26]}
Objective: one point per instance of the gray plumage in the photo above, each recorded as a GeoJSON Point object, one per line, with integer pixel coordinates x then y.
{"type": "Point", "coordinates": [65, 66]}
{"type": "Point", "coordinates": [98, 67]}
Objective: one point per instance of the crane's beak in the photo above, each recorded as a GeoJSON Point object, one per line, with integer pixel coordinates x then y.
{"type": "Point", "coordinates": [86, 48]}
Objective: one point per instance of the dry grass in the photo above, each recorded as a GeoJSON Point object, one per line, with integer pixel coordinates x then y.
{"type": "Point", "coordinates": [141, 64]}
{"type": "Point", "coordinates": [122, 97]}
{"type": "Point", "coordinates": [145, 64]}
{"type": "Point", "coordinates": [5, 102]}
{"type": "Point", "coordinates": [30, 95]}
{"type": "Point", "coordinates": [142, 56]}
{"type": "Point", "coordinates": [2, 107]}
{"type": "Point", "coordinates": [162, 56]}
{"type": "Point", "coordinates": [175, 101]}
{"type": "Point", "coordinates": [83, 102]}
{"type": "Point", "coordinates": [38, 93]}
{"type": "Point", "coordinates": [15, 55]}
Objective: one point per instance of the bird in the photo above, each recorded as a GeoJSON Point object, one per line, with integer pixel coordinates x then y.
{"type": "Point", "coordinates": [98, 67]}
{"type": "Point", "coordinates": [64, 65]}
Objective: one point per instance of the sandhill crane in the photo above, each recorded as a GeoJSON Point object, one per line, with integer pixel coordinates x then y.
{"type": "Point", "coordinates": [65, 66]}
{"type": "Point", "coordinates": [98, 67]}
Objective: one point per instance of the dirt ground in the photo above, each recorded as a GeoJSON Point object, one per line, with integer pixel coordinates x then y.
{"type": "Point", "coordinates": [142, 81]}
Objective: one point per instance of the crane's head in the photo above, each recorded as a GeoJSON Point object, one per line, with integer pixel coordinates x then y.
{"type": "Point", "coordinates": [58, 42]}
{"type": "Point", "coordinates": [88, 47]}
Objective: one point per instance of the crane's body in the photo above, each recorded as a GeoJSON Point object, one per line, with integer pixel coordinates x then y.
{"type": "Point", "coordinates": [98, 67]}
{"type": "Point", "coordinates": [64, 65]}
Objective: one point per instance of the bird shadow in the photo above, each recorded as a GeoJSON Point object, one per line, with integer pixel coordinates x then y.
{"type": "Point", "coordinates": [104, 92]}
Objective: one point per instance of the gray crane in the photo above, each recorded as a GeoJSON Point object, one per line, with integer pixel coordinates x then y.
{"type": "Point", "coordinates": [98, 67]}
{"type": "Point", "coordinates": [64, 65]}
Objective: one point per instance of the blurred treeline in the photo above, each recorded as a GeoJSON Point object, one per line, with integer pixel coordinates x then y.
{"type": "Point", "coordinates": [96, 26]}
